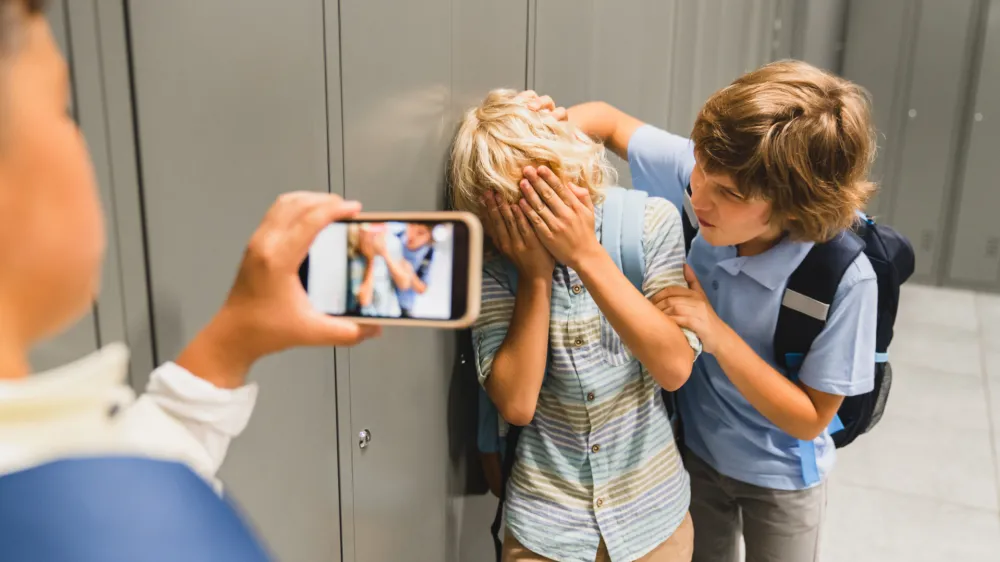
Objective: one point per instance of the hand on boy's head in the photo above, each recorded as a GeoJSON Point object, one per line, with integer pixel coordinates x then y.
{"type": "Point", "coordinates": [542, 103]}
{"type": "Point", "coordinates": [268, 310]}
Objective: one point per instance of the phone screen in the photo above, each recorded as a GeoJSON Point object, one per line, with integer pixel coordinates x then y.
{"type": "Point", "coordinates": [389, 269]}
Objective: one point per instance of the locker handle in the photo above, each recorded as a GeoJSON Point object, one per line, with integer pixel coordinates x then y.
{"type": "Point", "coordinates": [364, 438]}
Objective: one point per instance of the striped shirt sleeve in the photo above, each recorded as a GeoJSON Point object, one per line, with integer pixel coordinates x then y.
{"type": "Point", "coordinates": [663, 246]}
{"type": "Point", "coordinates": [491, 327]}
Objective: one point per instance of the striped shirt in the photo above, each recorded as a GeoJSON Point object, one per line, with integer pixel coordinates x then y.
{"type": "Point", "coordinates": [598, 459]}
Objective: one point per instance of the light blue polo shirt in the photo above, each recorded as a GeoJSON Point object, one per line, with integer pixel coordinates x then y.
{"type": "Point", "coordinates": [720, 425]}
{"type": "Point", "coordinates": [408, 297]}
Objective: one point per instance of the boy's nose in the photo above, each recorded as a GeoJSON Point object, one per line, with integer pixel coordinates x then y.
{"type": "Point", "coordinates": [699, 200]}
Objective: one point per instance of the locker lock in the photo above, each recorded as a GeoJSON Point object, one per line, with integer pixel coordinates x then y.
{"type": "Point", "coordinates": [364, 438]}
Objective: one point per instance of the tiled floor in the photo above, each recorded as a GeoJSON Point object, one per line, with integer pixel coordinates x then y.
{"type": "Point", "coordinates": [925, 484]}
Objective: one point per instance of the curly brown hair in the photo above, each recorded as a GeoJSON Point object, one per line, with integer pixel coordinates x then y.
{"type": "Point", "coordinates": [796, 136]}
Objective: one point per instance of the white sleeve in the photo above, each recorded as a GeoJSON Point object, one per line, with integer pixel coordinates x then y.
{"type": "Point", "coordinates": [188, 419]}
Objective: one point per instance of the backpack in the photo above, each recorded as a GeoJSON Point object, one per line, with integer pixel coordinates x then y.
{"type": "Point", "coordinates": [807, 300]}
{"type": "Point", "coordinates": [621, 237]}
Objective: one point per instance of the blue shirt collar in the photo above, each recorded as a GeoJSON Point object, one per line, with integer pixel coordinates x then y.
{"type": "Point", "coordinates": [771, 268]}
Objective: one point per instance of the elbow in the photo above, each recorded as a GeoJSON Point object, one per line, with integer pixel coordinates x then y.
{"type": "Point", "coordinates": [808, 432]}
{"type": "Point", "coordinates": [517, 412]}
{"type": "Point", "coordinates": [674, 371]}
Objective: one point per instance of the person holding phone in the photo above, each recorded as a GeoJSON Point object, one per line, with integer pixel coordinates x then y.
{"type": "Point", "coordinates": [51, 247]}
{"type": "Point", "coordinates": [576, 354]}
{"type": "Point", "coordinates": [777, 162]}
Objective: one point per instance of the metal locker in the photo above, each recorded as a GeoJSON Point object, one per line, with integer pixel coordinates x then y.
{"type": "Point", "coordinates": [877, 52]}
{"type": "Point", "coordinates": [405, 79]}
{"type": "Point", "coordinates": [231, 111]}
{"type": "Point", "coordinates": [716, 41]}
{"type": "Point", "coordinates": [819, 32]}
{"type": "Point", "coordinates": [82, 337]}
{"type": "Point", "coordinates": [975, 252]}
{"type": "Point", "coordinates": [657, 60]}
{"type": "Point", "coordinates": [930, 135]}
{"type": "Point", "coordinates": [622, 54]}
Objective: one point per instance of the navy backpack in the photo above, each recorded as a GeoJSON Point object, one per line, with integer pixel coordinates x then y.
{"type": "Point", "coordinates": [807, 300]}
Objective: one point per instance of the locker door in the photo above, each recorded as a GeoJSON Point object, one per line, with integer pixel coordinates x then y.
{"type": "Point", "coordinates": [232, 110]}
{"type": "Point", "coordinates": [621, 53]}
{"type": "Point", "coordinates": [405, 78]}
{"type": "Point", "coordinates": [715, 41]}
{"type": "Point", "coordinates": [876, 55]}
{"type": "Point", "coordinates": [930, 135]}
{"type": "Point", "coordinates": [976, 249]}
{"type": "Point", "coordinates": [81, 338]}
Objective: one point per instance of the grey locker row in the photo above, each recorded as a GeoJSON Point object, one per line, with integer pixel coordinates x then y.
{"type": "Point", "coordinates": [199, 113]}
{"type": "Point", "coordinates": [932, 68]}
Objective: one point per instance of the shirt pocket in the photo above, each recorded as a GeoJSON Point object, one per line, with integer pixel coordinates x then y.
{"type": "Point", "coordinates": [612, 347]}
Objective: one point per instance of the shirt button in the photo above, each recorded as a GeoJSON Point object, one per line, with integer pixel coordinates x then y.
{"type": "Point", "coordinates": [595, 448]}
{"type": "Point", "coordinates": [600, 502]}
{"type": "Point", "coordinates": [578, 342]}
{"type": "Point", "coordinates": [590, 397]}
{"type": "Point", "coordinates": [577, 289]}
{"type": "Point", "coordinates": [715, 284]}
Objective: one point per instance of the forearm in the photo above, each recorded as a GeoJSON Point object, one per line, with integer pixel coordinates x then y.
{"type": "Point", "coordinates": [777, 398]}
{"type": "Point", "coordinates": [655, 340]}
{"type": "Point", "coordinates": [419, 286]}
{"type": "Point", "coordinates": [605, 123]}
{"type": "Point", "coordinates": [366, 293]}
{"type": "Point", "coordinates": [218, 354]}
{"type": "Point", "coordinates": [402, 278]}
{"type": "Point", "coordinates": [519, 364]}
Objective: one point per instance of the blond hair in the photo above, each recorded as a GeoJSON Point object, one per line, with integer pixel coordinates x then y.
{"type": "Point", "coordinates": [501, 136]}
{"type": "Point", "coordinates": [796, 136]}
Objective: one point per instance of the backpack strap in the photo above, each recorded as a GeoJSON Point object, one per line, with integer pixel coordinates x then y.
{"type": "Point", "coordinates": [689, 220]}
{"type": "Point", "coordinates": [633, 221]}
{"type": "Point", "coordinates": [621, 231]}
{"type": "Point", "coordinates": [506, 468]}
{"type": "Point", "coordinates": [809, 295]}
{"type": "Point", "coordinates": [611, 223]}
{"type": "Point", "coordinates": [425, 263]}
{"type": "Point", "coordinates": [805, 307]}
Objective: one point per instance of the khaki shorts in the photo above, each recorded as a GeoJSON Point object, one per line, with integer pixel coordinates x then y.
{"type": "Point", "coordinates": [677, 548]}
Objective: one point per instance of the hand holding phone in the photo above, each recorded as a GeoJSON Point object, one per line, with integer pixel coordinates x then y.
{"type": "Point", "coordinates": [398, 268]}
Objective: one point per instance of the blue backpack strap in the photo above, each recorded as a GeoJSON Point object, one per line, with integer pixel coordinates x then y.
{"type": "Point", "coordinates": [633, 257]}
{"type": "Point", "coordinates": [119, 509]}
{"type": "Point", "coordinates": [488, 438]}
{"type": "Point", "coordinates": [511, 272]}
{"type": "Point", "coordinates": [804, 308]}
{"type": "Point", "coordinates": [624, 212]}
{"type": "Point", "coordinates": [613, 212]}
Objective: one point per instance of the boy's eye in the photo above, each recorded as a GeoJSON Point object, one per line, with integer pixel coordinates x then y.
{"type": "Point", "coordinates": [732, 194]}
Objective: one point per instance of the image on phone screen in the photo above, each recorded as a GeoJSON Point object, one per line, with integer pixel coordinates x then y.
{"type": "Point", "coordinates": [388, 270]}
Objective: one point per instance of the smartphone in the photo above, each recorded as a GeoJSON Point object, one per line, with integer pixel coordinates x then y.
{"type": "Point", "coordinates": [408, 269]}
